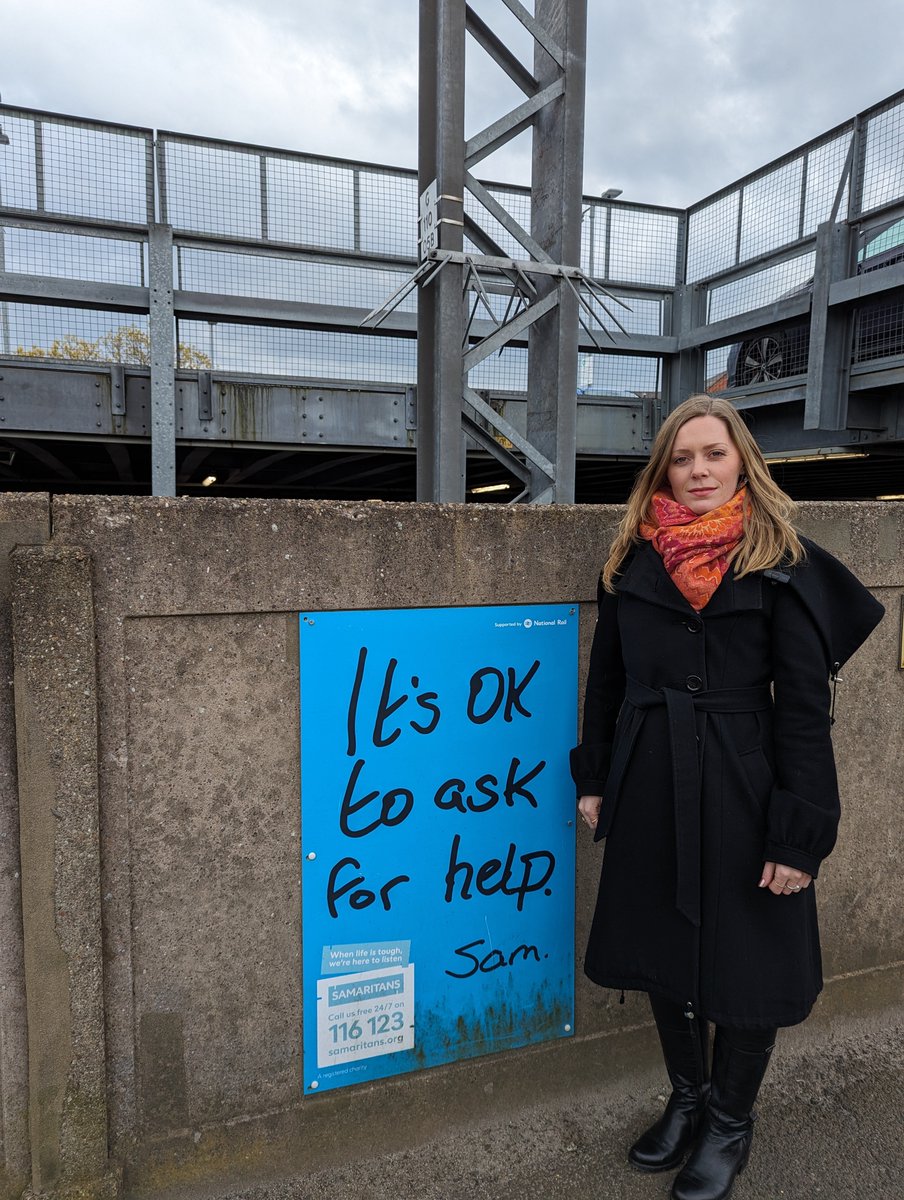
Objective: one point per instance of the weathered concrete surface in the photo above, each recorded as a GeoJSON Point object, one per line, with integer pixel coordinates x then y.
{"type": "Point", "coordinates": [213, 721]}
{"type": "Point", "coordinates": [160, 560]}
{"type": "Point", "coordinates": [198, 776]}
{"type": "Point", "coordinates": [56, 723]}
{"type": "Point", "coordinates": [829, 1125]}
{"type": "Point", "coordinates": [24, 520]}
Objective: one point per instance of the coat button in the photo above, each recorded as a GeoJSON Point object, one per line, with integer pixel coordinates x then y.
{"type": "Point", "coordinates": [693, 626]}
{"type": "Point", "coordinates": [694, 683]}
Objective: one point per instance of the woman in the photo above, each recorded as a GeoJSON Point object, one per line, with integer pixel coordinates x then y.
{"type": "Point", "coordinates": [706, 762]}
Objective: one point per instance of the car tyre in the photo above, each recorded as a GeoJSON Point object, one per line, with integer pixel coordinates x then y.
{"type": "Point", "coordinates": [762, 359]}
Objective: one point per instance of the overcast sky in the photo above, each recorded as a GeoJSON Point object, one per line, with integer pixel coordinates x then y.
{"type": "Point", "coordinates": [683, 96]}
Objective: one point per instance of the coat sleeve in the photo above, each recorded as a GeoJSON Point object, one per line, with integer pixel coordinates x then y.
{"type": "Point", "coordinates": [822, 614]}
{"type": "Point", "coordinates": [602, 700]}
{"type": "Point", "coordinates": [803, 813]}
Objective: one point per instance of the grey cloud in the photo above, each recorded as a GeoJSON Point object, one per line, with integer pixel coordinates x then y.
{"type": "Point", "coordinates": [683, 97]}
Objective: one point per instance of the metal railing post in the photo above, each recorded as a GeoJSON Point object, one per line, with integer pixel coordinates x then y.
{"type": "Point", "coordinates": [161, 325]}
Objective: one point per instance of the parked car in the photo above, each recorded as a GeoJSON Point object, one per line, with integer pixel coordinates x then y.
{"type": "Point", "coordinates": [879, 332]}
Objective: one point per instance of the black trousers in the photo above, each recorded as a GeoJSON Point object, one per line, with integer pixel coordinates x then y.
{"type": "Point", "coordinates": [671, 1015]}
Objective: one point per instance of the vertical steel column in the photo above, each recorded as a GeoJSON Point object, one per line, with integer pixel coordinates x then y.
{"type": "Point", "coordinates": [556, 195]}
{"type": "Point", "coordinates": [5, 347]}
{"type": "Point", "coordinates": [163, 364]}
{"type": "Point", "coordinates": [831, 334]}
{"type": "Point", "coordinates": [684, 372]}
{"type": "Point", "coordinates": [440, 313]}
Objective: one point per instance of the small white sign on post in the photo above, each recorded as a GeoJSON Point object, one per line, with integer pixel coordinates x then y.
{"type": "Point", "coordinates": [427, 224]}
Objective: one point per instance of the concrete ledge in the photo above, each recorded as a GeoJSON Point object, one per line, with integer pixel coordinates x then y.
{"type": "Point", "coordinates": [828, 1127]}
{"type": "Point", "coordinates": [390, 1133]}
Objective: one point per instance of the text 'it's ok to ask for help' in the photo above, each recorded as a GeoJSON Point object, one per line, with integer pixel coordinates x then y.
{"type": "Point", "coordinates": [437, 835]}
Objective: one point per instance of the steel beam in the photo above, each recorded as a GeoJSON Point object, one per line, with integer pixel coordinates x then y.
{"type": "Point", "coordinates": [683, 373]}
{"type": "Point", "coordinates": [161, 325]}
{"type": "Point", "coordinates": [497, 49]}
{"type": "Point", "coordinates": [556, 192]}
{"type": "Point", "coordinates": [80, 293]}
{"type": "Point", "coordinates": [252, 310]}
{"type": "Point", "coordinates": [872, 284]}
{"type": "Point", "coordinates": [829, 359]}
{"type": "Point", "coordinates": [497, 135]}
{"type": "Point", "coordinates": [5, 344]}
{"type": "Point", "coordinates": [441, 456]}
{"type": "Point", "coordinates": [735, 328]}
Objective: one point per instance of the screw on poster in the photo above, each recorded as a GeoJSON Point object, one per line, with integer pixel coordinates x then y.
{"type": "Point", "coordinates": [437, 821]}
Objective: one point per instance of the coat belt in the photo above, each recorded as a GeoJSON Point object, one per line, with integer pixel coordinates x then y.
{"type": "Point", "coordinates": [681, 708]}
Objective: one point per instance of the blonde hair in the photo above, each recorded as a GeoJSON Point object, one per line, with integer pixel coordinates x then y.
{"type": "Point", "coordinates": [769, 537]}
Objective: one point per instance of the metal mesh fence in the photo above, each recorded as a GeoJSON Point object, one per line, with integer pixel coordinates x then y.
{"type": "Point", "coordinates": [260, 195]}
{"type": "Point", "coordinates": [630, 244]}
{"type": "Point", "coordinates": [642, 245]}
{"type": "Point", "coordinates": [306, 203]}
{"type": "Point", "coordinates": [504, 372]}
{"type": "Point", "coordinates": [761, 359]}
{"type": "Point", "coordinates": [634, 314]}
{"type": "Point", "coordinates": [880, 245]}
{"type": "Point", "coordinates": [301, 353]}
{"type": "Point", "coordinates": [792, 277]}
{"type": "Point", "coordinates": [76, 169]}
{"type": "Point", "coordinates": [598, 374]}
{"type": "Point", "coordinates": [30, 251]}
{"type": "Point", "coordinates": [208, 188]}
{"type": "Point", "coordinates": [712, 237]}
{"type": "Point", "coordinates": [305, 281]}
{"type": "Point", "coordinates": [628, 314]}
{"type": "Point", "coordinates": [619, 375]}
{"type": "Point", "coordinates": [715, 369]}
{"type": "Point", "coordinates": [312, 217]}
{"type": "Point", "coordinates": [769, 356]}
{"type": "Point", "coordinates": [777, 207]}
{"type": "Point", "coordinates": [74, 334]}
{"type": "Point", "coordinates": [824, 166]}
{"type": "Point", "coordinates": [883, 162]}
{"type": "Point", "coordinates": [879, 331]}
{"type": "Point", "coordinates": [388, 213]}
{"type": "Point", "coordinates": [594, 218]}
{"type": "Point", "coordinates": [771, 210]}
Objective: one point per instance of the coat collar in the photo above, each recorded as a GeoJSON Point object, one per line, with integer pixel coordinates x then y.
{"type": "Point", "coordinates": [646, 577]}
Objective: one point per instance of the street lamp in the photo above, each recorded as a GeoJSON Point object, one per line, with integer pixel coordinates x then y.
{"type": "Point", "coordinates": [611, 194]}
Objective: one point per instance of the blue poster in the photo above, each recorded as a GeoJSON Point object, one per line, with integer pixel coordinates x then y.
{"type": "Point", "coordinates": [437, 829]}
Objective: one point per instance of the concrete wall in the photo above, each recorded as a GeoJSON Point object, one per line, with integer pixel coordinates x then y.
{"type": "Point", "coordinates": [24, 520]}
{"type": "Point", "coordinates": [156, 705]}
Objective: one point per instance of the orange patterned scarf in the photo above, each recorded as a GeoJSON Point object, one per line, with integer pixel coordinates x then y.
{"type": "Point", "coordinates": [695, 549]}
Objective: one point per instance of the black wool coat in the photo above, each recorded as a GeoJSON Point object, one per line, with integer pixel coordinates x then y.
{"type": "Point", "coordinates": [708, 736]}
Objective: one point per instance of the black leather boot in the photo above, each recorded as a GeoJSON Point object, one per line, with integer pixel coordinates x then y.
{"type": "Point", "coordinates": [722, 1149]}
{"type": "Point", "coordinates": [685, 1047]}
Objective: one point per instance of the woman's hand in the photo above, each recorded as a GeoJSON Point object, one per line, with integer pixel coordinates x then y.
{"type": "Point", "coordinates": [784, 881]}
{"type": "Point", "coordinates": [589, 808]}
